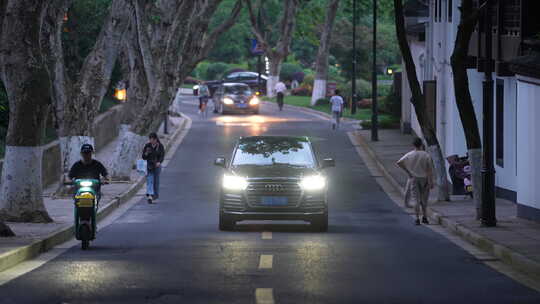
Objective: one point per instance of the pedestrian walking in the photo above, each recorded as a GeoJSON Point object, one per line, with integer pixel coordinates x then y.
{"type": "Point", "coordinates": [336, 102]}
{"type": "Point", "coordinates": [153, 153]}
{"type": "Point", "coordinates": [419, 167]}
{"type": "Point", "coordinates": [280, 91]}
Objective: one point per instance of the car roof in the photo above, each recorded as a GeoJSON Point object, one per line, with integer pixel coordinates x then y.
{"type": "Point", "coordinates": [244, 139]}
{"type": "Point", "coordinates": [230, 84]}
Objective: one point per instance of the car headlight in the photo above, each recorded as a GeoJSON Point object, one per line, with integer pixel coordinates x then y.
{"type": "Point", "coordinates": [311, 183]}
{"type": "Point", "coordinates": [232, 182]}
{"type": "Point", "coordinates": [86, 184]}
{"type": "Point", "coordinates": [254, 101]}
{"type": "Point", "coordinates": [228, 101]}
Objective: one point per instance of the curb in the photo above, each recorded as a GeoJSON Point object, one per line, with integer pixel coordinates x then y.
{"type": "Point", "coordinates": [21, 254]}
{"type": "Point", "coordinates": [513, 259]}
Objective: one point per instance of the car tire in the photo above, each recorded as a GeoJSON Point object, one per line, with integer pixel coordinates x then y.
{"type": "Point", "coordinates": [320, 223]}
{"type": "Point", "coordinates": [225, 222]}
{"type": "Point", "coordinates": [256, 112]}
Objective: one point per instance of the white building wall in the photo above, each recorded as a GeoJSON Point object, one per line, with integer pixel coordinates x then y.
{"type": "Point", "coordinates": [528, 143]}
{"type": "Point", "coordinates": [505, 176]}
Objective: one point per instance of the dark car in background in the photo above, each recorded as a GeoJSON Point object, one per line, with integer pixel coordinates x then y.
{"type": "Point", "coordinates": [273, 178]}
{"type": "Point", "coordinates": [249, 78]}
{"type": "Point", "coordinates": [236, 97]}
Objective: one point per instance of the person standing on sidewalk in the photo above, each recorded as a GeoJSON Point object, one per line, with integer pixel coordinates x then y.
{"type": "Point", "coordinates": [280, 91]}
{"type": "Point", "coordinates": [153, 153]}
{"type": "Point", "coordinates": [419, 167]}
{"type": "Point", "coordinates": [337, 107]}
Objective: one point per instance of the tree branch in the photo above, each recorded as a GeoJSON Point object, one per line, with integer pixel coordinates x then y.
{"type": "Point", "coordinates": [210, 41]}
{"type": "Point", "coordinates": [254, 26]}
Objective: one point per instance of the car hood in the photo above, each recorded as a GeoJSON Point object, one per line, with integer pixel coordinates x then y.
{"type": "Point", "coordinates": [278, 171]}
{"type": "Point", "coordinates": [239, 97]}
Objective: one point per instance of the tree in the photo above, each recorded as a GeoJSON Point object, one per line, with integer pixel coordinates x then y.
{"type": "Point", "coordinates": [26, 83]}
{"type": "Point", "coordinates": [418, 101]}
{"type": "Point", "coordinates": [77, 98]}
{"type": "Point", "coordinates": [280, 50]}
{"type": "Point", "coordinates": [170, 49]}
{"type": "Point", "coordinates": [321, 65]}
{"type": "Point", "coordinates": [458, 60]}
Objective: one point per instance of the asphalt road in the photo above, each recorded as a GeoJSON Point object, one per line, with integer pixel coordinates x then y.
{"type": "Point", "coordinates": [173, 252]}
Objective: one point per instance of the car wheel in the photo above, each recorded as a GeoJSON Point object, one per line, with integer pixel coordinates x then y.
{"type": "Point", "coordinates": [320, 222]}
{"type": "Point", "coordinates": [225, 222]}
{"type": "Point", "coordinates": [256, 112]}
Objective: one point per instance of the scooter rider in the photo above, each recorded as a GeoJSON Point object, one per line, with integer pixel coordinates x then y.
{"type": "Point", "coordinates": [89, 168]}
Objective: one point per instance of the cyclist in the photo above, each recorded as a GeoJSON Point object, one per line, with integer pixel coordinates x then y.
{"type": "Point", "coordinates": [204, 96]}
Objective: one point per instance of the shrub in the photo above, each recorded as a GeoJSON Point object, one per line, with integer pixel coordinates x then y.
{"type": "Point", "coordinates": [298, 76]}
{"type": "Point", "coordinates": [302, 91]}
{"type": "Point", "coordinates": [365, 103]}
{"type": "Point", "coordinates": [391, 104]}
{"type": "Point", "coordinates": [384, 123]}
{"type": "Point", "coordinates": [216, 70]}
{"type": "Point", "coordinates": [322, 101]}
{"type": "Point", "coordinates": [287, 71]}
{"type": "Point", "coordinates": [234, 70]}
{"type": "Point", "coordinates": [309, 80]}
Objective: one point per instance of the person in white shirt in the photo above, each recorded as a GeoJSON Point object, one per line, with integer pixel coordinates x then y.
{"type": "Point", "coordinates": [280, 91]}
{"type": "Point", "coordinates": [337, 107]}
{"type": "Point", "coordinates": [419, 167]}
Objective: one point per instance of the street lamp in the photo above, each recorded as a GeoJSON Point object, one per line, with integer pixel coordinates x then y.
{"type": "Point", "coordinates": [120, 94]}
{"type": "Point", "coordinates": [389, 71]}
{"type": "Point", "coordinates": [374, 110]}
{"type": "Point", "coordinates": [488, 170]}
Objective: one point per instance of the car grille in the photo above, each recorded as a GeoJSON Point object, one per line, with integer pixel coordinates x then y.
{"type": "Point", "coordinates": [233, 202]}
{"type": "Point", "coordinates": [257, 190]}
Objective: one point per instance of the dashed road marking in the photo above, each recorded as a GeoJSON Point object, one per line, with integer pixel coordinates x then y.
{"type": "Point", "coordinates": [264, 296]}
{"type": "Point", "coordinates": [266, 260]}
{"type": "Point", "coordinates": [267, 235]}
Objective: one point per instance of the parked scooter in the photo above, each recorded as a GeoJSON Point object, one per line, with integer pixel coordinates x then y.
{"type": "Point", "coordinates": [460, 172]}
{"type": "Point", "coordinates": [86, 203]}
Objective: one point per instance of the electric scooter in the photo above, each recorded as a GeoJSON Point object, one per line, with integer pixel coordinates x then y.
{"type": "Point", "coordinates": [86, 203]}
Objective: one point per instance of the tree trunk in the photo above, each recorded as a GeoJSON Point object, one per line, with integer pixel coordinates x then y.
{"type": "Point", "coordinates": [321, 63]}
{"type": "Point", "coordinates": [418, 102]}
{"type": "Point", "coordinates": [26, 83]}
{"type": "Point", "coordinates": [458, 60]}
{"type": "Point", "coordinates": [77, 103]}
{"type": "Point", "coordinates": [277, 54]}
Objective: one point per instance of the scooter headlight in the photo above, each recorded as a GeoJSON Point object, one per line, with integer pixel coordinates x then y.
{"type": "Point", "coordinates": [228, 101]}
{"type": "Point", "coordinates": [86, 184]}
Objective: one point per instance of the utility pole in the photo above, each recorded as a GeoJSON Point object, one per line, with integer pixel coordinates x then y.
{"type": "Point", "coordinates": [259, 55]}
{"type": "Point", "coordinates": [488, 170]}
{"type": "Point", "coordinates": [353, 80]}
{"type": "Point", "coordinates": [374, 110]}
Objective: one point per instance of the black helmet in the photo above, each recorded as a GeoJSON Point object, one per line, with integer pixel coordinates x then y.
{"type": "Point", "coordinates": [87, 148]}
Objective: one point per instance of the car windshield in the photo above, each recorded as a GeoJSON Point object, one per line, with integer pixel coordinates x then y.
{"type": "Point", "coordinates": [238, 90]}
{"type": "Point", "coordinates": [274, 151]}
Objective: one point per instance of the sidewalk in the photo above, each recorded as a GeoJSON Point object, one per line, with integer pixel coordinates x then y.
{"type": "Point", "coordinates": [514, 241]}
{"type": "Point", "coordinates": [33, 239]}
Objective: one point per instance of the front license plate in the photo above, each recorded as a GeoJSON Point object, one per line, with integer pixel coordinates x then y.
{"type": "Point", "coordinates": [274, 201]}
{"type": "Point", "coordinates": [241, 105]}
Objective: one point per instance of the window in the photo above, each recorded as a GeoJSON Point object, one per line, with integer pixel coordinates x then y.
{"type": "Point", "coordinates": [499, 123]}
{"type": "Point", "coordinates": [450, 9]}
{"type": "Point", "coordinates": [440, 10]}
{"type": "Point", "coordinates": [435, 15]}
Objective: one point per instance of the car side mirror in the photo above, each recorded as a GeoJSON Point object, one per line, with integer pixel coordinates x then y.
{"type": "Point", "coordinates": [328, 162]}
{"type": "Point", "coordinates": [220, 162]}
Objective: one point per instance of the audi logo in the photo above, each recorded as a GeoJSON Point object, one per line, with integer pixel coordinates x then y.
{"type": "Point", "coordinates": [274, 187]}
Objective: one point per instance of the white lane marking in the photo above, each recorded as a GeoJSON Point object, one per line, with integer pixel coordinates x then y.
{"type": "Point", "coordinates": [266, 235]}
{"type": "Point", "coordinates": [264, 296]}
{"type": "Point", "coordinates": [266, 260]}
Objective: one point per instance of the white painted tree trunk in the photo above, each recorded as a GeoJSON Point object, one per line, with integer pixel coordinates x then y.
{"type": "Point", "coordinates": [319, 90]}
{"type": "Point", "coordinates": [21, 189]}
{"type": "Point", "coordinates": [475, 159]}
{"type": "Point", "coordinates": [271, 85]}
{"type": "Point", "coordinates": [177, 102]}
{"type": "Point", "coordinates": [441, 178]}
{"type": "Point", "coordinates": [126, 153]}
{"type": "Point", "coordinates": [70, 146]}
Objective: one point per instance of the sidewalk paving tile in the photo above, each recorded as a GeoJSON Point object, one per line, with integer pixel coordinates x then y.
{"type": "Point", "coordinates": [520, 236]}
